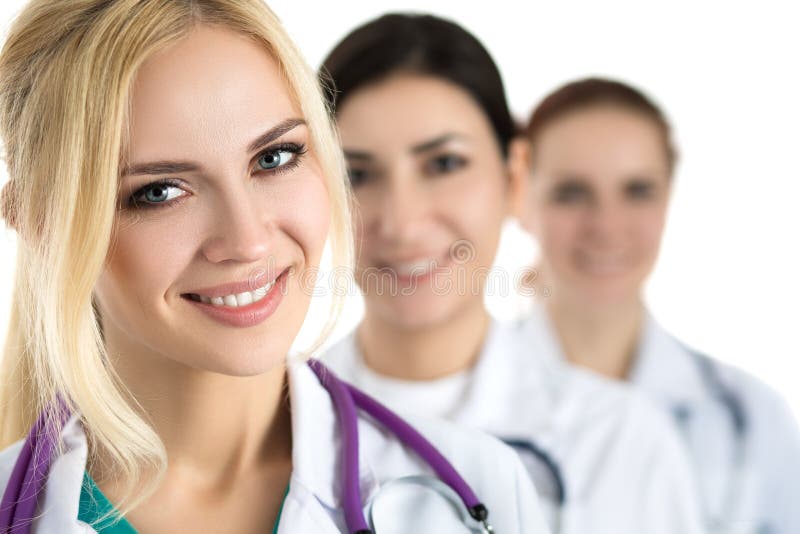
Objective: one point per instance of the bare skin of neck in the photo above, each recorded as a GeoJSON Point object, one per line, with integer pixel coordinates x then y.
{"type": "Point", "coordinates": [601, 339]}
{"type": "Point", "coordinates": [228, 443]}
{"type": "Point", "coordinates": [423, 353]}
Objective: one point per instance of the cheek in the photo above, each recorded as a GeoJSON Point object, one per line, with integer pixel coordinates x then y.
{"type": "Point", "coordinates": [476, 206]}
{"type": "Point", "coordinates": [147, 256]}
{"type": "Point", "coordinates": [305, 215]}
{"type": "Point", "coordinates": [647, 224]}
{"type": "Point", "coordinates": [145, 259]}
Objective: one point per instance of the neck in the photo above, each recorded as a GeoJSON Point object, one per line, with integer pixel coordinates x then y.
{"type": "Point", "coordinates": [215, 428]}
{"type": "Point", "coordinates": [423, 353]}
{"type": "Point", "coordinates": [598, 338]}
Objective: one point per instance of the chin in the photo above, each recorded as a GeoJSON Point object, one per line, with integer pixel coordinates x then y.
{"type": "Point", "coordinates": [239, 361]}
{"type": "Point", "coordinates": [608, 291]}
{"type": "Point", "coordinates": [417, 311]}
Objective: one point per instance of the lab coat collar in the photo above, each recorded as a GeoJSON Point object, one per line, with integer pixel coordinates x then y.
{"type": "Point", "coordinates": [316, 440]}
{"type": "Point", "coordinates": [511, 365]}
{"type": "Point", "coordinates": [662, 366]}
{"type": "Point", "coordinates": [540, 332]}
{"type": "Point", "coordinates": [489, 382]}
{"type": "Point", "coordinates": [665, 368]}
{"type": "Point", "coordinates": [62, 496]}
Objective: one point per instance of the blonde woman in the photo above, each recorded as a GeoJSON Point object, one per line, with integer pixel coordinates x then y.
{"type": "Point", "coordinates": [173, 172]}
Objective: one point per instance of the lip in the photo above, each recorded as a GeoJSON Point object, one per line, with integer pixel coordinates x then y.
{"type": "Point", "coordinates": [232, 288]}
{"type": "Point", "coordinates": [388, 260]}
{"type": "Point", "coordinates": [244, 316]}
{"type": "Point", "coordinates": [442, 264]}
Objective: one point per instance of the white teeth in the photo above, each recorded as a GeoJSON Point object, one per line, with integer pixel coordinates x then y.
{"type": "Point", "coordinates": [243, 299]}
{"type": "Point", "coordinates": [239, 299]}
{"type": "Point", "coordinates": [417, 267]}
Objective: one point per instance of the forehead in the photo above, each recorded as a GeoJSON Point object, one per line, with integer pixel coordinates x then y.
{"type": "Point", "coordinates": [602, 138]}
{"type": "Point", "coordinates": [209, 91]}
{"type": "Point", "coordinates": [406, 109]}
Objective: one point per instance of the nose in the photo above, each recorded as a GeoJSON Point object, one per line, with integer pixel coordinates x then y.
{"type": "Point", "coordinates": [605, 220]}
{"type": "Point", "coordinates": [241, 228]}
{"type": "Point", "coordinates": [402, 209]}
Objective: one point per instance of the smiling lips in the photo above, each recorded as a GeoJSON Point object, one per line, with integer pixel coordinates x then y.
{"type": "Point", "coordinates": [416, 266]}
{"type": "Point", "coordinates": [234, 300]}
{"type": "Point", "coordinates": [235, 305]}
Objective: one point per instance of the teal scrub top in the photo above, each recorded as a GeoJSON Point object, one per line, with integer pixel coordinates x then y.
{"type": "Point", "coordinates": [94, 505]}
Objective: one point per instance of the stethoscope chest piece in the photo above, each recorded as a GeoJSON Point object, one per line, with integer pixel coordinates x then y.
{"type": "Point", "coordinates": [436, 508]}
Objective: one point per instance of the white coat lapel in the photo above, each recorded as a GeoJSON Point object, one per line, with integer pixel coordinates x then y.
{"type": "Point", "coordinates": [665, 369]}
{"type": "Point", "coordinates": [316, 487]}
{"type": "Point", "coordinates": [59, 506]}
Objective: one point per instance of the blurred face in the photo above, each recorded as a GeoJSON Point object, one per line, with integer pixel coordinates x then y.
{"type": "Point", "coordinates": [432, 191]}
{"type": "Point", "coordinates": [221, 205]}
{"type": "Point", "coordinates": [598, 199]}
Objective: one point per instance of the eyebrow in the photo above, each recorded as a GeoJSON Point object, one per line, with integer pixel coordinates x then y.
{"type": "Point", "coordinates": [355, 154]}
{"type": "Point", "coordinates": [174, 167]}
{"type": "Point", "coordinates": [435, 142]}
{"type": "Point", "coordinates": [425, 146]}
{"type": "Point", "coordinates": [274, 133]}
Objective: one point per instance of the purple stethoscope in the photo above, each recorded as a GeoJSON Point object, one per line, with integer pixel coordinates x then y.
{"type": "Point", "coordinates": [28, 478]}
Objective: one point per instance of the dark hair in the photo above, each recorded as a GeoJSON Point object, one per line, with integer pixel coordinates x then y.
{"type": "Point", "coordinates": [419, 44]}
{"type": "Point", "coordinates": [594, 92]}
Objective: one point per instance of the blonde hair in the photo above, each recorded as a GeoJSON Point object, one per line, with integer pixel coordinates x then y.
{"type": "Point", "coordinates": [66, 71]}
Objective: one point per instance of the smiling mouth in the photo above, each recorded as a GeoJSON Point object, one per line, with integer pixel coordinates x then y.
{"type": "Point", "coordinates": [416, 267]}
{"type": "Point", "coordinates": [235, 300]}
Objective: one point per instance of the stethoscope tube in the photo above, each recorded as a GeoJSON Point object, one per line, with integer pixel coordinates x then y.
{"type": "Point", "coordinates": [348, 422]}
{"type": "Point", "coordinates": [723, 393]}
{"type": "Point", "coordinates": [404, 432]}
{"type": "Point", "coordinates": [730, 400]}
{"type": "Point", "coordinates": [548, 461]}
{"type": "Point", "coordinates": [408, 435]}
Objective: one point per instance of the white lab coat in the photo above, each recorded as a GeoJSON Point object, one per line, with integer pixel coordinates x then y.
{"type": "Point", "coordinates": [624, 469]}
{"type": "Point", "coordinates": [765, 483]}
{"type": "Point", "coordinates": [313, 503]}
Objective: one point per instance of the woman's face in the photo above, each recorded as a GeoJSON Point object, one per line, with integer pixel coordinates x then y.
{"type": "Point", "coordinates": [432, 191]}
{"type": "Point", "coordinates": [222, 205]}
{"type": "Point", "coordinates": [598, 199]}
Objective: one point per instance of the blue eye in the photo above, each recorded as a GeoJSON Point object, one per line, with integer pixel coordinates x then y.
{"type": "Point", "coordinates": [275, 158]}
{"type": "Point", "coordinates": [156, 193]}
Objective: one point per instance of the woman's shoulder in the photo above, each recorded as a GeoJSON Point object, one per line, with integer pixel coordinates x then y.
{"type": "Point", "coordinates": [767, 414]}
{"type": "Point", "coordinates": [752, 388]}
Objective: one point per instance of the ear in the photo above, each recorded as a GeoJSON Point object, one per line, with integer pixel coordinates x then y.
{"type": "Point", "coordinates": [8, 204]}
{"type": "Point", "coordinates": [518, 165]}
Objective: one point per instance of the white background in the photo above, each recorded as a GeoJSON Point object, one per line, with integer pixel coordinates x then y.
{"type": "Point", "coordinates": [727, 75]}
